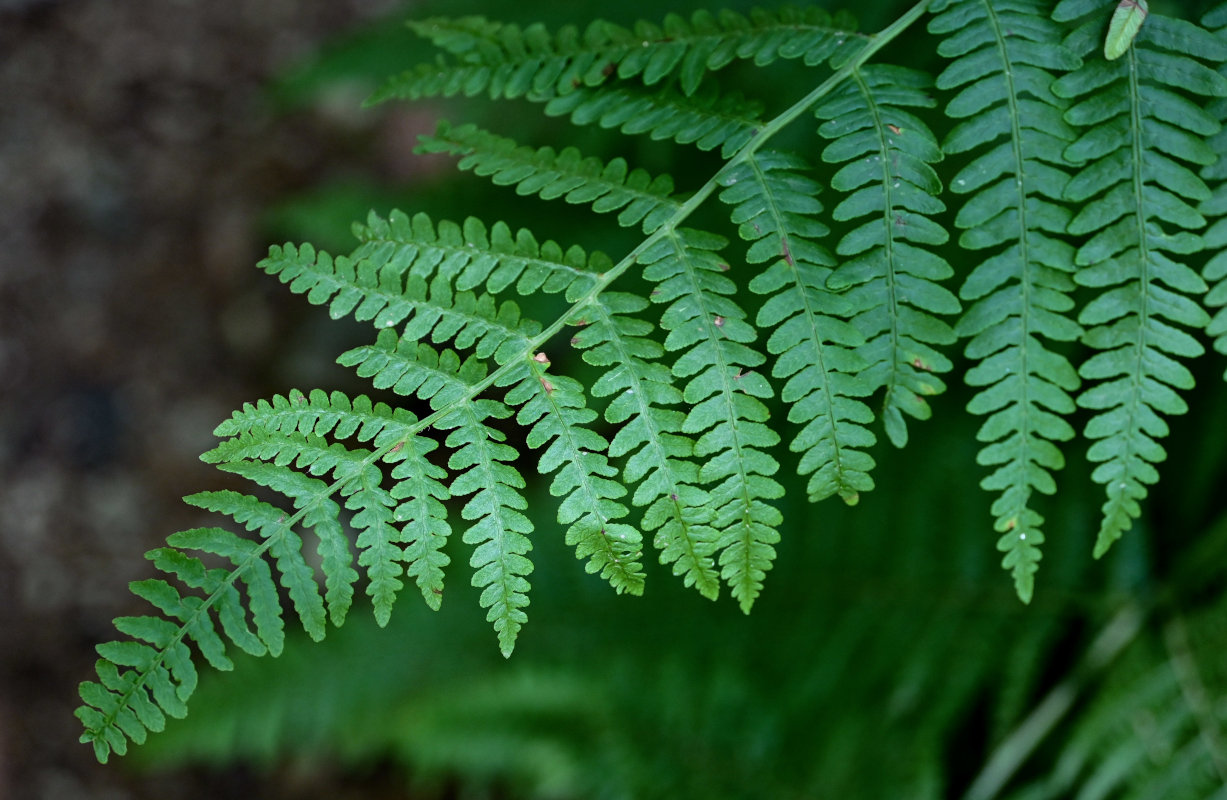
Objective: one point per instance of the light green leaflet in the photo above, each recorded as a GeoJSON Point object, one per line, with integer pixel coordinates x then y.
{"type": "Point", "coordinates": [1126, 21]}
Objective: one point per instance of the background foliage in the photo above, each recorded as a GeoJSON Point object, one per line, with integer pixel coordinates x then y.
{"type": "Point", "coordinates": [885, 659]}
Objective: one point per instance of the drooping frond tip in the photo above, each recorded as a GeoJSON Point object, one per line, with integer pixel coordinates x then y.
{"type": "Point", "coordinates": [1012, 127]}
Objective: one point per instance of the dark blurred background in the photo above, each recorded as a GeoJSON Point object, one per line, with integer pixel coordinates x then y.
{"type": "Point", "coordinates": [139, 148]}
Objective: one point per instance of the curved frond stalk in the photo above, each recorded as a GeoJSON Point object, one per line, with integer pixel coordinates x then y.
{"type": "Point", "coordinates": [816, 350]}
{"type": "Point", "coordinates": [707, 119]}
{"type": "Point", "coordinates": [638, 196]}
{"type": "Point", "coordinates": [890, 279]}
{"type": "Point", "coordinates": [650, 436]}
{"type": "Point", "coordinates": [554, 407]}
{"type": "Point", "coordinates": [1142, 138]}
{"type": "Point", "coordinates": [505, 60]}
{"type": "Point", "coordinates": [1020, 293]}
{"type": "Point", "coordinates": [725, 399]}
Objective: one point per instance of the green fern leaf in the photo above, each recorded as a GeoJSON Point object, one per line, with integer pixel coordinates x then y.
{"type": "Point", "coordinates": [1126, 21]}
{"type": "Point", "coordinates": [1141, 135]}
{"type": "Point", "coordinates": [568, 175]}
{"type": "Point", "coordinates": [687, 433]}
{"type": "Point", "coordinates": [725, 399]}
{"type": "Point", "coordinates": [707, 119]}
{"type": "Point", "coordinates": [374, 292]}
{"type": "Point", "coordinates": [322, 413]}
{"type": "Point", "coordinates": [644, 406]}
{"type": "Point", "coordinates": [499, 533]}
{"type": "Point", "coordinates": [311, 497]}
{"type": "Point", "coordinates": [891, 280]}
{"type": "Point", "coordinates": [816, 350]}
{"type": "Point", "coordinates": [554, 406]}
{"type": "Point", "coordinates": [1020, 293]}
{"type": "Point", "coordinates": [425, 531]}
{"type": "Point", "coordinates": [417, 484]}
{"type": "Point", "coordinates": [505, 60]}
{"type": "Point", "coordinates": [1214, 206]}
{"type": "Point", "coordinates": [473, 255]}
{"type": "Point", "coordinates": [275, 526]}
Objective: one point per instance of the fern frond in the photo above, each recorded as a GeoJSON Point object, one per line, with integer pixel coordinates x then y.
{"type": "Point", "coordinates": [499, 533]}
{"type": "Point", "coordinates": [1214, 207]}
{"type": "Point", "coordinates": [425, 531]}
{"type": "Point", "coordinates": [650, 436]}
{"type": "Point", "coordinates": [370, 287]}
{"type": "Point", "coordinates": [1141, 137]}
{"type": "Point", "coordinates": [474, 255]}
{"type": "Point", "coordinates": [410, 268]}
{"type": "Point", "coordinates": [275, 526]}
{"type": "Point", "coordinates": [144, 681]}
{"type": "Point", "coordinates": [312, 498]}
{"type": "Point", "coordinates": [815, 348]}
{"type": "Point", "coordinates": [408, 368]}
{"type": "Point", "coordinates": [1020, 293]}
{"type": "Point", "coordinates": [417, 484]}
{"type": "Point", "coordinates": [505, 60]}
{"type": "Point", "coordinates": [725, 399]}
{"type": "Point", "coordinates": [707, 118]}
{"type": "Point", "coordinates": [891, 281]}
{"type": "Point", "coordinates": [322, 413]}
{"type": "Point", "coordinates": [554, 407]}
{"type": "Point", "coordinates": [610, 187]}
